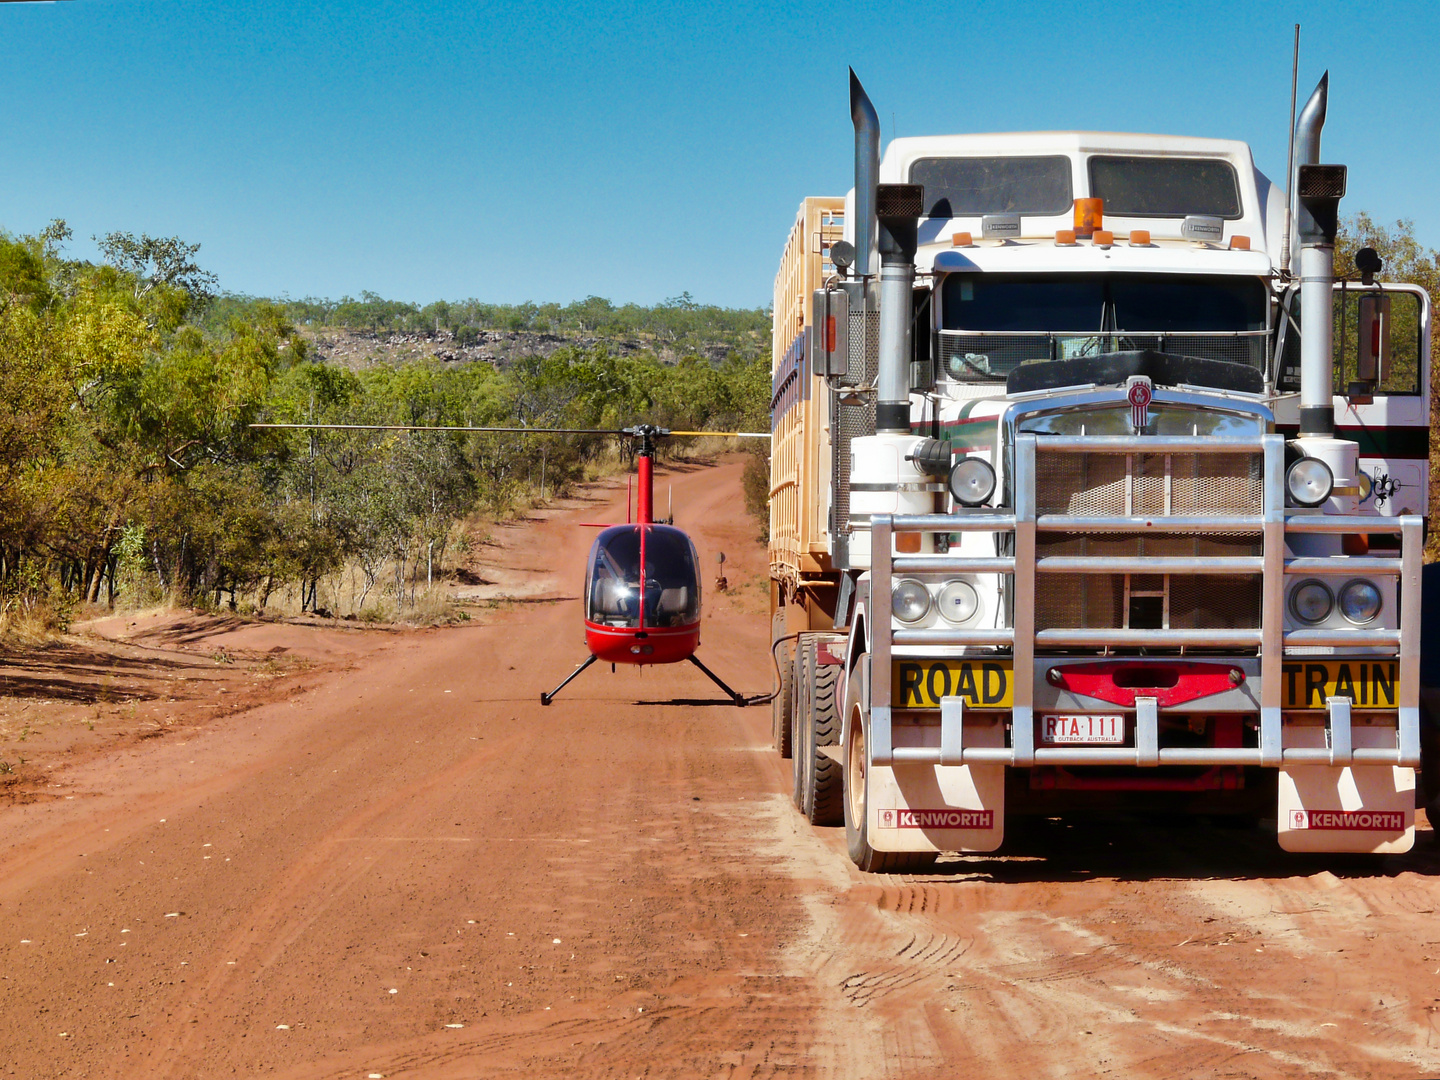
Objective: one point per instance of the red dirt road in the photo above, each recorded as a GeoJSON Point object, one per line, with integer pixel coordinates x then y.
{"type": "Point", "coordinates": [411, 869]}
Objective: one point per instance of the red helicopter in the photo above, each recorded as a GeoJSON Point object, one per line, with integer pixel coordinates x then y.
{"type": "Point", "coordinates": [642, 583]}
{"type": "Point", "coordinates": [642, 580]}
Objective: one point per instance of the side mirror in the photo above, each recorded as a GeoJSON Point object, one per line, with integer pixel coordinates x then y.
{"type": "Point", "coordinates": [1369, 263]}
{"type": "Point", "coordinates": [830, 332]}
{"type": "Point", "coordinates": [1373, 354]}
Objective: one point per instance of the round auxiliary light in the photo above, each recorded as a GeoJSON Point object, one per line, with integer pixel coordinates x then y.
{"type": "Point", "coordinates": [1311, 601]}
{"type": "Point", "coordinates": [1309, 482]}
{"type": "Point", "coordinates": [1360, 601]}
{"type": "Point", "coordinates": [972, 481]}
{"type": "Point", "coordinates": [909, 601]}
{"type": "Point", "coordinates": [958, 602]}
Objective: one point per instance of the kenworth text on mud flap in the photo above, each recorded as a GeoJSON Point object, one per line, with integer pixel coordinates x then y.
{"type": "Point", "coordinates": [1093, 488]}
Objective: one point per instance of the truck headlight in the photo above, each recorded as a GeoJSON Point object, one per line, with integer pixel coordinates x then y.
{"type": "Point", "coordinates": [972, 481]}
{"type": "Point", "coordinates": [1309, 482]}
{"type": "Point", "coordinates": [909, 601]}
{"type": "Point", "coordinates": [958, 602]}
{"type": "Point", "coordinates": [1360, 601]}
{"type": "Point", "coordinates": [1311, 601]}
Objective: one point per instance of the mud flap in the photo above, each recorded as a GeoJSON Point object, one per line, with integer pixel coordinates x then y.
{"type": "Point", "coordinates": [1351, 808]}
{"type": "Point", "coordinates": [926, 807]}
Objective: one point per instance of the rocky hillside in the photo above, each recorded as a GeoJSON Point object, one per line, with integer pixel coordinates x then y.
{"type": "Point", "coordinates": [356, 349]}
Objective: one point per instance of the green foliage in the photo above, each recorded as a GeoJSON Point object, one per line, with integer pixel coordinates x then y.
{"type": "Point", "coordinates": [678, 325]}
{"type": "Point", "coordinates": [373, 313]}
{"type": "Point", "coordinates": [755, 483]}
{"type": "Point", "coordinates": [22, 274]}
{"type": "Point", "coordinates": [154, 262]}
{"type": "Point", "coordinates": [129, 469]}
{"type": "Point", "coordinates": [1404, 257]}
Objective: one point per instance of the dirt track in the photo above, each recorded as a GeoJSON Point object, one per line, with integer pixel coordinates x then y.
{"type": "Point", "coordinates": [413, 870]}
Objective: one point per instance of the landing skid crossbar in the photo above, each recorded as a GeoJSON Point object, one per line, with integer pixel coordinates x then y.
{"type": "Point", "coordinates": [737, 698]}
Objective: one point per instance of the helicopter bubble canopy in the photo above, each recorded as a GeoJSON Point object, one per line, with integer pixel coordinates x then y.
{"type": "Point", "coordinates": [670, 594]}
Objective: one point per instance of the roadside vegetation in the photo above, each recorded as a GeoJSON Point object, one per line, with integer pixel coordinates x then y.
{"type": "Point", "coordinates": [129, 473]}
{"type": "Point", "coordinates": [678, 325]}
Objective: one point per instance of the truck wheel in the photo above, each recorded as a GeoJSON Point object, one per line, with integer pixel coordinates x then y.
{"type": "Point", "coordinates": [821, 783]}
{"type": "Point", "coordinates": [799, 721]}
{"type": "Point", "coordinates": [857, 840]}
{"type": "Point", "coordinates": [1428, 793]}
{"type": "Point", "coordinates": [781, 705]}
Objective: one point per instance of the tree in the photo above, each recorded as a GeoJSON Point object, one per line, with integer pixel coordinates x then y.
{"type": "Point", "coordinates": [156, 261]}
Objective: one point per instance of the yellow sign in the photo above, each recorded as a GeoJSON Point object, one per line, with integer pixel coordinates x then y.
{"type": "Point", "coordinates": [1369, 684]}
{"type": "Point", "coordinates": [984, 684]}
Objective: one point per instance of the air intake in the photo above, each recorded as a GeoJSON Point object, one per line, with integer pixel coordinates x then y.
{"type": "Point", "coordinates": [1322, 182]}
{"type": "Point", "coordinates": [899, 200]}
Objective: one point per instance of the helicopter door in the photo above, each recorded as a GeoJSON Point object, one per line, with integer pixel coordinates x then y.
{"type": "Point", "coordinates": [643, 576]}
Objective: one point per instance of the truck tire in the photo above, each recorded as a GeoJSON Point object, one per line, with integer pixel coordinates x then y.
{"type": "Point", "coordinates": [799, 720]}
{"type": "Point", "coordinates": [1428, 790]}
{"type": "Point", "coordinates": [819, 779]}
{"type": "Point", "coordinates": [866, 858]}
{"type": "Point", "coordinates": [781, 705]}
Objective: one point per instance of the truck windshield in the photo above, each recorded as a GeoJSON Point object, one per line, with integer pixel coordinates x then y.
{"type": "Point", "coordinates": [972, 186]}
{"type": "Point", "coordinates": [991, 323]}
{"type": "Point", "coordinates": [1191, 303]}
{"type": "Point", "coordinates": [1165, 187]}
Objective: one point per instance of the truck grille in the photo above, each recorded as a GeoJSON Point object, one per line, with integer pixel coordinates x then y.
{"type": "Point", "coordinates": [1228, 485]}
{"type": "Point", "coordinates": [1152, 485]}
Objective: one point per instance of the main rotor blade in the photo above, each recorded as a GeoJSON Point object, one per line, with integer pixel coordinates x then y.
{"type": "Point", "coordinates": [507, 430]}
{"type": "Point", "coordinates": [728, 434]}
{"type": "Point", "coordinates": [442, 427]}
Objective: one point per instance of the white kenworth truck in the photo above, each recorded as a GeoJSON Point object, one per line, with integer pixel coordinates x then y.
{"type": "Point", "coordinates": [1092, 488]}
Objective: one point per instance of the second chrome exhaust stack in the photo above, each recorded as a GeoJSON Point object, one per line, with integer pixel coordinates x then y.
{"type": "Point", "coordinates": [1317, 190]}
{"type": "Point", "coordinates": [886, 219]}
{"type": "Point", "coordinates": [867, 173]}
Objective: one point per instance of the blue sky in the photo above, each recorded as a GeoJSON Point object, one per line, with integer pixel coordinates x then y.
{"type": "Point", "coordinates": [511, 152]}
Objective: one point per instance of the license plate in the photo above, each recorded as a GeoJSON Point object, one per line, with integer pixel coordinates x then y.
{"type": "Point", "coordinates": [984, 684]}
{"type": "Point", "coordinates": [1369, 684]}
{"type": "Point", "coordinates": [1082, 729]}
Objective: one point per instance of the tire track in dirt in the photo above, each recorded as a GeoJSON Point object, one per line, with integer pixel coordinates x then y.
{"type": "Point", "coordinates": [617, 886]}
{"type": "Point", "coordinates": [310, 886]}
{"type": "Point", "coordinates": [677, 861]}
{"type": "Point", "coordinates": [1145, 964]}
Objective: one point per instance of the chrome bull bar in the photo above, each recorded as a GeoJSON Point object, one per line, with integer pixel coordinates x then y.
{"type": "Point", "coordinates": [1270, 639]}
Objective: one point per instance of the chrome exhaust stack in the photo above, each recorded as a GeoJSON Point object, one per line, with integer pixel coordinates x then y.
{"type": "Point", "coordinates": [884, 474]}
{"type": "Point", "coordinates": [897, 210]}
{"type": "Point", "coordinates": [1316, 205]}
{"type": "Point", "coordinates": [867, 173]}
{"type": "Point", "coordinates": [887, 222]}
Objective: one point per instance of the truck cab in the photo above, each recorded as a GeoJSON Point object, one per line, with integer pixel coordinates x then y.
{"type": "Point", "coordinates": [1098, 525]}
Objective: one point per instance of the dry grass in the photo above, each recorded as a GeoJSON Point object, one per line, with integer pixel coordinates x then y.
{"type": "Point", "coordinates": [33, 623]}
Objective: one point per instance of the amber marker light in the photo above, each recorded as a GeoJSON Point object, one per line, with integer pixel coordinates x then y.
{"type": "Point", "coordinates": [1089, 216]}
{"type": "Point", "coordinates": [1139, 237]}
{"type": "Point", "coordinates": [907, 543]}
{"type": "Point", "coordinates": [1104, 238]}
{"type": "Point", "coordinates": [961, 239]}
{"type": "Point", "coordinates": [1239, 243]}
{"type": "Point", "coordinates": [1065, 236]}
{"type": "Point", "coordinates": [1355, 543]}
